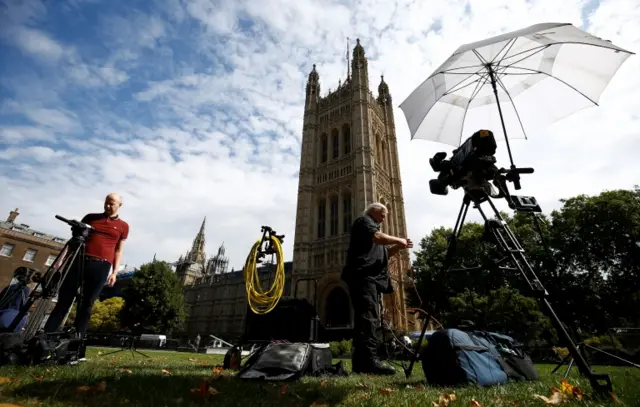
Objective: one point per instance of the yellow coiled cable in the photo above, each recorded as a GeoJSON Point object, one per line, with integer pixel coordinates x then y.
{"type": "Point", "coordinates": [262, 302]}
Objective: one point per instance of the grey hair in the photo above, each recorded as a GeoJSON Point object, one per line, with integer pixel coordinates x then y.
{"type": "Point", "coordinates": [375, 206]}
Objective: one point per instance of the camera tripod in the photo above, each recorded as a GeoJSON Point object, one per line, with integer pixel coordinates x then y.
{"type": "Point", "coordinates": [500, 233]}
{"type": "Point", "coordinates": [128, 344]}
{"type": "Point", "coordinates": [50, 283]}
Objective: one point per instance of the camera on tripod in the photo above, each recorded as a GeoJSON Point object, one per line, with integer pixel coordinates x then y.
{"type": "Point", "coordinates": [471, 165]}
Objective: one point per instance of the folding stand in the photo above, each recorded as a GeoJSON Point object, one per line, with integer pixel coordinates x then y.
{"type": "Point", "coordinates": [129, 346]}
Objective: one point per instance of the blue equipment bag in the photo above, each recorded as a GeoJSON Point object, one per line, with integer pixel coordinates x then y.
{"type": "Point", "coordinates": [454, 357]}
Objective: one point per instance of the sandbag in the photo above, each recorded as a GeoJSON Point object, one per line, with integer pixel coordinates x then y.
{"type": "Point", "coordinates": [278, 361]}
{"type": "Point", "coordinates": [453, 357]}
{"type": "Point", "coordinates": [515, 361]}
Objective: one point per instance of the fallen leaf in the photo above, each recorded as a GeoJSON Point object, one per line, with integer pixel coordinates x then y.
{"type": "Point", "coordinates": [101, 386]}
{"type": "Point", "coordinates": [193, 360]}
{"type": "Point", "coordinates": [129, 371]}
{"type": "Point", "coordinates": [420, 387]}
{"type": "Point", "coordinates": [444, 400]}
{"type": "Point", "coordinates": [5, 380]}
{"type": "Point", "coordinates": [556, 397]}
{"type": "Point", "coordinates": [8, 405]}
{"type": "Point", "coordinates": [83, 389]}
{"type": "Point", "coordinates": [361, 385]}
{"type": "Point", "coordinates": [165, 372]}
{"type": "Point", "coordinates": [615, 399]}
{"type": "Point", "coordinates": [283, 390]}
{"type": "Point", "coordinates": [386, 390]}
{"type": "Point", "coordinates": [217, 371]}
{"type": "Point", "coordinates": [474, 403]}
{"type": "Point", "coordinates": [324, 383]}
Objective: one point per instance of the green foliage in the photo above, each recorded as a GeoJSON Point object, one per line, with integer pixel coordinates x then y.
{"type": "Point", "coordinates": [591, 269]}
{"type": "Point", "coordinates": [105, 315]}
{"type": "Point", "coordinates": [341, 349]}
{"type": "Point", "coordinates": [504, 310]}
{"type": "Point", "coordinates": [154, 299]}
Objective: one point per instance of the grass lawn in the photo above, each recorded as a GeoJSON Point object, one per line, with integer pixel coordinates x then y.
{"type": "Point", "coordinates": [176, 379]}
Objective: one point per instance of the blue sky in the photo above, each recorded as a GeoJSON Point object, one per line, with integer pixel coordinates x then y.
{"type": "Point", "coordinates": [194, 108]}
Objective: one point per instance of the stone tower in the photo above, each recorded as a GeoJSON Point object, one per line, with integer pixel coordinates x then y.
{"type": "Point", "coordinates": [349, 160]}
{"type": "Point", "coordinates": [192, 265]}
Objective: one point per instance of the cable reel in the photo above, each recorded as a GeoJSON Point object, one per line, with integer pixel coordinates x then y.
{"type": "Point", "coordinates": [260, 301]}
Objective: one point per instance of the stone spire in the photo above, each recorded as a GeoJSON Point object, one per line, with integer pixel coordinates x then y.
{"type": "Point", "coordinates": [218, 264]}
{"type": "Point", "coordinates": [197, 255]}
{"type": "Point", "coordinates": [384, 97]}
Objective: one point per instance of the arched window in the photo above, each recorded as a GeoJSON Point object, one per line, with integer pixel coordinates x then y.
{"type": "Point", "coordinates": [346, 212]}
{"type": "Point", "coordinates": [322, 218]}
{"type": "Point", "coordinates": [346, 139]}
{"type": "Point", "coordinates": [333, 223]}
{"type": "Point", "coordinates": [324, 148]}
{"type": "Point", "coordinates": [335, 143]}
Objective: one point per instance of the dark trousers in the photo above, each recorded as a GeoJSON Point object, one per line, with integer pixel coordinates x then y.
{"type": "Point", "coordinates": [93, 280]}
{"type": "Point", "coordinates": [365, 298]}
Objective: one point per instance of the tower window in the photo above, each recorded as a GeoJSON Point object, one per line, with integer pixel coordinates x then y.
{"type": "Point", "coordinates": [334, 216]}
{"type": "Point", "coordinates": [322, 216]}
{"type": "Point", "coordinates": [323, 148]}
{"type": "Point", "coordinates": [346, 210]}
{"type": "Point", "coordinates": [335, 144]}
{"type": "Point", "coordinates": [346, 139]}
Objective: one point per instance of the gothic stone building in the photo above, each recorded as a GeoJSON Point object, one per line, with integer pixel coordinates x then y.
{"type": "Point", "coordinates": [349, 160]}
{"type": "Point", "coordinates": [215, 298]}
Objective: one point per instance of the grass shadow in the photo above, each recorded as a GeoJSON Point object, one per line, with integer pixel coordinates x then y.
{"type": "Point", "coordinates": [151, 389]}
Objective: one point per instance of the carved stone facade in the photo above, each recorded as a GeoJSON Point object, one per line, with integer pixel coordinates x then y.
{"type": "Point", "coordinates": [349, 160]}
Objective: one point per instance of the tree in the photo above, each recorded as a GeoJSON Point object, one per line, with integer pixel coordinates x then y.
{"type": "Point", "coordinates": [105, 315]}
{"type": "Point", "coordinates": [503, 310]}
{"type": "Point", "coordinates": [437, 284]}
{"type": "Point", "coordinates": [597, 242]}
{"type": "Point", "coordinates": [154, 300]}
{"type": "Point", "coordinates": [588, 259]}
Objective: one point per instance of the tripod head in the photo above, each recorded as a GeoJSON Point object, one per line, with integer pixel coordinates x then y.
{"type": "Point", "coordinates": [79, 231]}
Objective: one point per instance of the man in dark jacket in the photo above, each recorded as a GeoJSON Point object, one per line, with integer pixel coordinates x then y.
{"type": "Point", "coordinates": [367, 277]}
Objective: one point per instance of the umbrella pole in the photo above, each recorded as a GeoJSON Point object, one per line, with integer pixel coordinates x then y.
{"type": "Point", "coordinates": [492, 76]}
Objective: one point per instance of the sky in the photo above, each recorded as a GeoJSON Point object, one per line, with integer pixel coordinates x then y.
{"type": "Point", "coordinates": [193, 108]}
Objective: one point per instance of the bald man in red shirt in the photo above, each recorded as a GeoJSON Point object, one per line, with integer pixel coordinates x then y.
{"type": "Point", "coordinates": [102, 254]}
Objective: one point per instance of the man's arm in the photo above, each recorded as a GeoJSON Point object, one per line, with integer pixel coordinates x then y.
{"type": "Point", "coordinates": [117, 258]}
{"type": "Point", "coordinates": [384, 239]}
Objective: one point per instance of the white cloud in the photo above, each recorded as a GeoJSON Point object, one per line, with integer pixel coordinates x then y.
{"type": "Point", "coordinates": [206, 120]}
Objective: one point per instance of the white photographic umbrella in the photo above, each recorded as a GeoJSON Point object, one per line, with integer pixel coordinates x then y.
{"type": "Point", "coordinates": [536, 76]}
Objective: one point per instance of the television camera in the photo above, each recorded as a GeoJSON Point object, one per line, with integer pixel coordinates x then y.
{"type": "Point", "coordinates": [473, 168]}
{"type": "Point", "coordinates": [23, 341]}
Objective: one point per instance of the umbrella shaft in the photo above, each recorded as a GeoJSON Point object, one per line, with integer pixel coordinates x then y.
{"type": "Point", "coordinates": [504, 128]}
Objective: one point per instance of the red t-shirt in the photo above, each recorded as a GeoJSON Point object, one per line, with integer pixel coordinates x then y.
{"type": "Point", "coordinates": [105, 236]}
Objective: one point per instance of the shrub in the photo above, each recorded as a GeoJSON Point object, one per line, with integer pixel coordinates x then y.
{"type": "Point", "coordinates": [340, 349]}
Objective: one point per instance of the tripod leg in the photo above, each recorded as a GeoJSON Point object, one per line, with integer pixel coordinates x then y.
{"type": "Point", "coordinates": [506, 240]}
{"type": "Point", "coordinates": [564, 360]}
{"type": "Point", "coordinates": [457, 230]}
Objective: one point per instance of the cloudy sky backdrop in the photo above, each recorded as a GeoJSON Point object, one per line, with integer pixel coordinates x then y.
{"type": "Point", "coordinates": [193, 108]}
